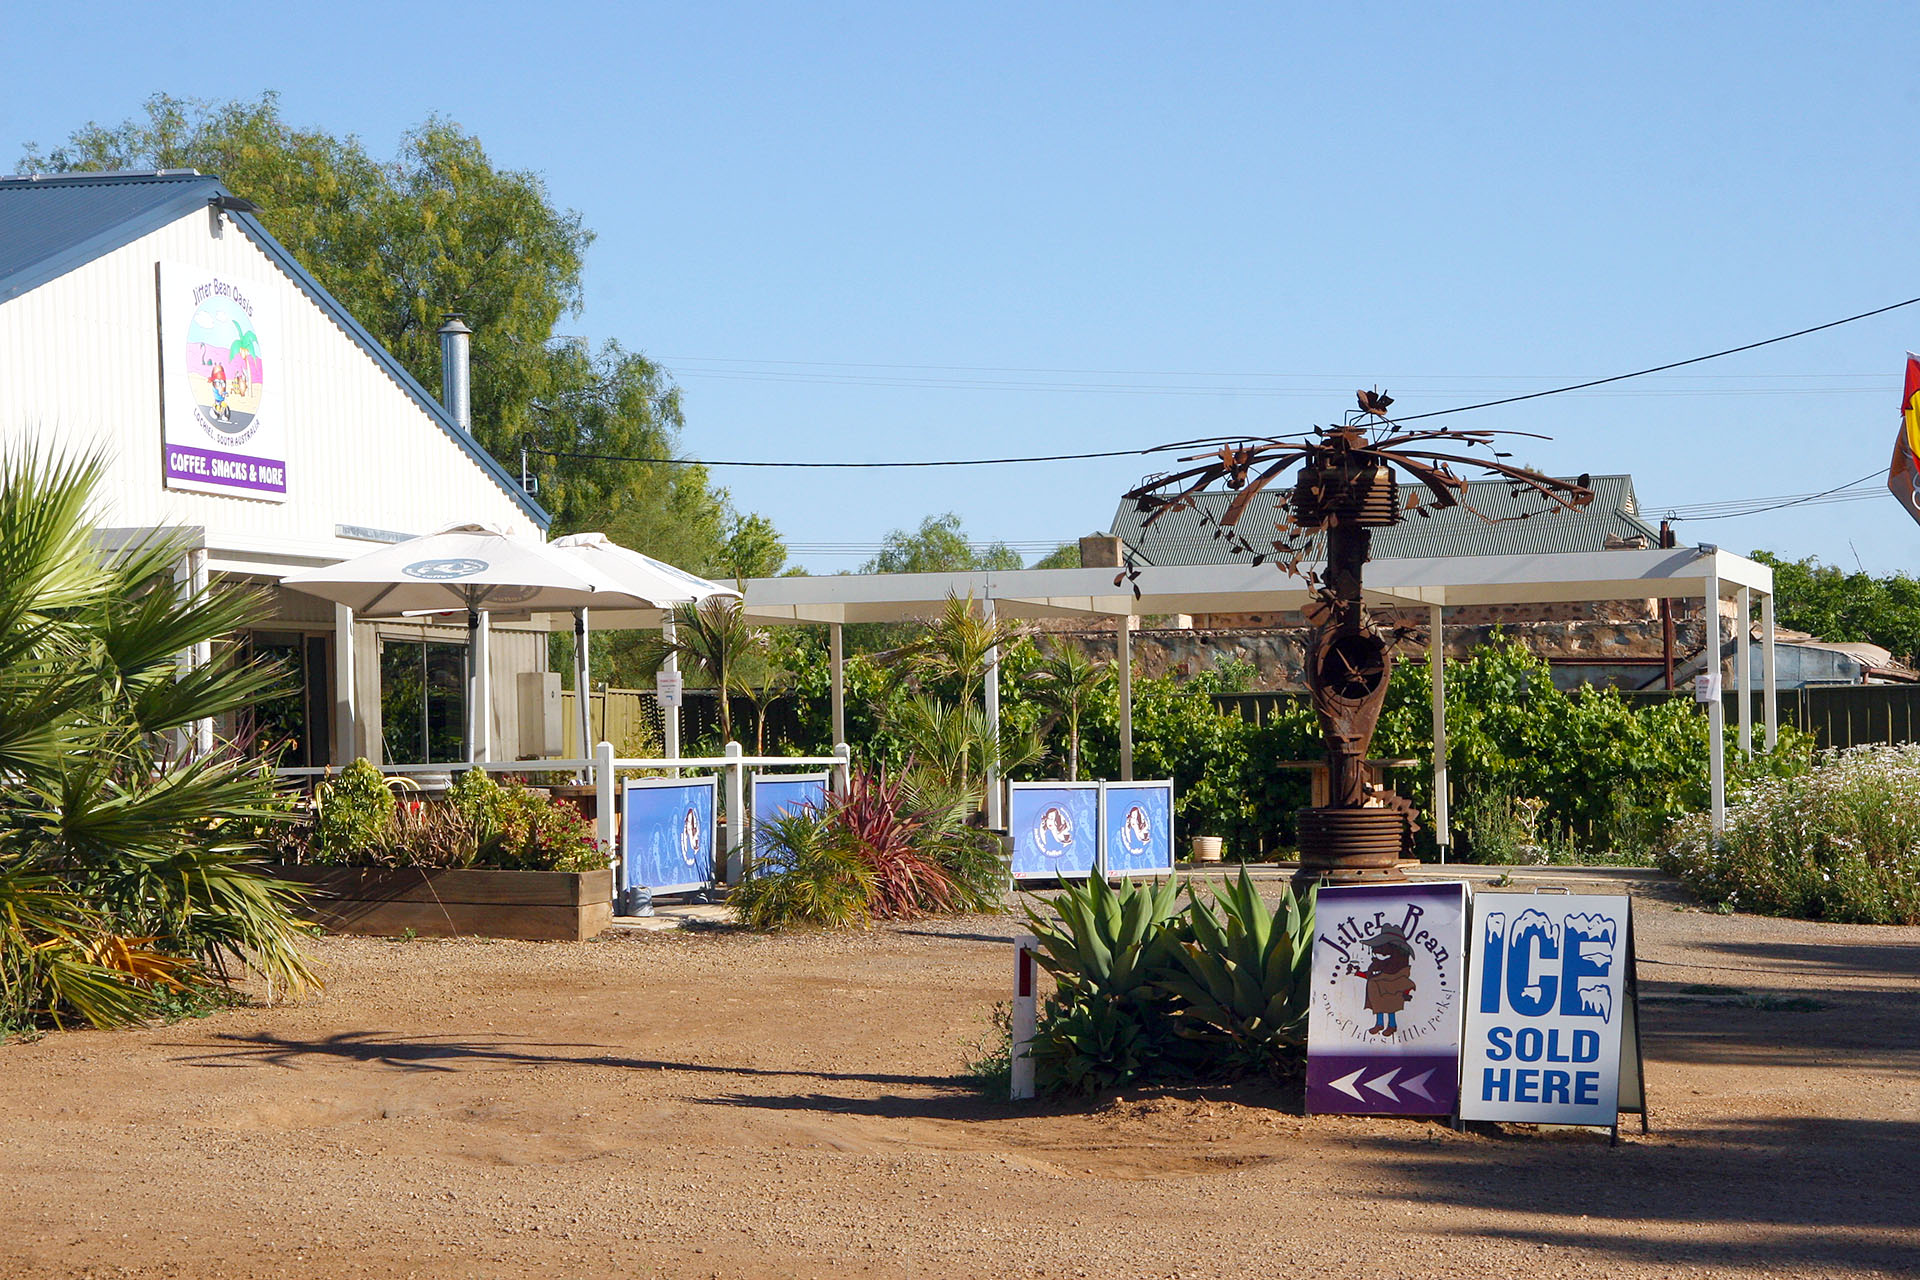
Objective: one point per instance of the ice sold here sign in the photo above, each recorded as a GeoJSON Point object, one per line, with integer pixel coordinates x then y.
{"type": "Point", "coordinates": [1546, 1000]}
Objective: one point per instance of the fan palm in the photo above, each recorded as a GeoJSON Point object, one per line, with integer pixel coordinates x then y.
{"type": "Point", "coordinates": [122, 870]}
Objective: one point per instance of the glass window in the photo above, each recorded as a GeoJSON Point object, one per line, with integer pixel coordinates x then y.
{"type": "Point", "coordinates": [423, 702]}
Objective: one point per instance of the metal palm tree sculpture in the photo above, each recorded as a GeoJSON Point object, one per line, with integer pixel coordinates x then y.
{"type": "Point", "coordinates": [1347, 485]}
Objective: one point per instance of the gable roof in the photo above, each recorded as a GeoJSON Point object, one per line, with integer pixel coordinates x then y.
{"type": "Point", "coordinates": [53, 224]}
{"type": "Point", "coordinates": [1182, 537]}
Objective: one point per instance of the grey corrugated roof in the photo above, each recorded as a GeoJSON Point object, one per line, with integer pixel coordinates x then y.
{"type": "Point", "coordinates": [1181, 537]}
{"type": "Point", "coordinates": [51, 224]}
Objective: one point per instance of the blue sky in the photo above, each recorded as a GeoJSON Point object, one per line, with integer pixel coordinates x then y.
{"type": "Point", "coordinates": [885, 232]}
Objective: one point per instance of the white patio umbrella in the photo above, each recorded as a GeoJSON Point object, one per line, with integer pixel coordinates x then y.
{"type": "Point", "coordinates": [662, 585]}
{"type": "Point", "coordinates": [472, 567]}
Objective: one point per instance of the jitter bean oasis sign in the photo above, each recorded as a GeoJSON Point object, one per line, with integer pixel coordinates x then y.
{"type": "Point", "coordinates": [1546, 999]}
{"type": "Point", "coordinates": [224, 429]}
{"type": "Point", "coordinates": [1383, 1026]}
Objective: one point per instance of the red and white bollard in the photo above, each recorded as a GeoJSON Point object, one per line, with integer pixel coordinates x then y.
{"type": "Point", "coordinates": [1025, 1015]}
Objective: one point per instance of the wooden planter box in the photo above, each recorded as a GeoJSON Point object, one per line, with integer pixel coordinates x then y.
{"type": "Point", "coordinates": [539, 906]}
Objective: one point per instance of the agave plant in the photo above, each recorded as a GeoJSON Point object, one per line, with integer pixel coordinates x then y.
{"type": "Point", "coordinates": [1244, 978]}
{"type": "Point", "coordinates": [1107, 943]}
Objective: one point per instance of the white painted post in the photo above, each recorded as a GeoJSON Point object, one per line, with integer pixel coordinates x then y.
{"type": "Point", "coordinates": [670, 728]}
{"type": "Point", "coordinates": [1716, 707]}
{"type": "Point", "coordinates": [995, 819]}
{"type": "Point", "coordinates": [1437, 667]}
{"type": "Point", "coordinates": [604, 820]}
{"type": "Point", "coordinates": [843, 772]}
{"type": "Point", "coordinates": [837, 681]}
{"type": "Point", "coordinates": [1126, 698]}
{"type": "Point", "coordinates": [1025, 1019]}
{"type": "Point", "coordinates": [737, 818]}
{"type": "Point", "coordinates": [199, 585]}
{"type": "Point", "coordinates": [483, 691]}
{"type": "Point", "coordinates": [582, 685]}
{"type": "Point", "coordinates": [346, 727]}
{"type": "Point", "coordinates": [1743, 666]}
{"type": "Point", "coordinates": [1771, 697]}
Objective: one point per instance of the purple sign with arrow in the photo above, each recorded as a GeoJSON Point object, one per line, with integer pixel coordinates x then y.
{"type": "Point", "coordinates": [1383, 1026]}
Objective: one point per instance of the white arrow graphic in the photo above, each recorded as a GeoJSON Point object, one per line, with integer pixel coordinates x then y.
{"type": "Point", "coordinates": [1345, 1085]}
{"type": "Point", "coordinates": [1419, 1083]}
{"type": "Point", "coordinates": [1383, 1085]}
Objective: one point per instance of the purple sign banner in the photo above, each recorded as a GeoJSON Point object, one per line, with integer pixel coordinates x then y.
{"type": "Point", "coordinates": [1383, 1023]}
{"type": "Point", "coordinates": [228, 470]}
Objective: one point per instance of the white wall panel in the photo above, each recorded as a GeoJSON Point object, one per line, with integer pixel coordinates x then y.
{"type": "Point", "coordinates": [80, 365]}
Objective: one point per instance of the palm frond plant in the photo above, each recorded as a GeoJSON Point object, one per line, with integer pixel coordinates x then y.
{"type": "Point", "coordinates": [955, 743]}
{"type": "Point", "coordinates": [1069, 684]}
{"type": "Point", "coordinates": [714, 638]}
{"type": "Point", "coordinates": [123, 860]}
{"type": "Point", "coordinates": [958, 649]}
{"type": "Point", "coordinates": [805, 876]}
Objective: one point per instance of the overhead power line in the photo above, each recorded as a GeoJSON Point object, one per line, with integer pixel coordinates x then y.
{"type": "Point", "coordinates": [1847, 492]}
{"type": "Point", "coordinates": [1128, 453]}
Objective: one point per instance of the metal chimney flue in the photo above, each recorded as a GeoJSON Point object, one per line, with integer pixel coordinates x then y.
{"type": "Point", "coordinates": [456, 371]}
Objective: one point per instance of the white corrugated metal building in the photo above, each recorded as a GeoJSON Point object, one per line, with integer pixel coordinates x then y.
{"type": "Point", "coordinates": [151, 317]}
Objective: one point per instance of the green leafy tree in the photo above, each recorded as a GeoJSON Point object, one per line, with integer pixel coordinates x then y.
{"type": "Point", "coordinates": [753, 549]}
{"type": "Point", "coordinates": [939, 545]}
{"type": "Point", "coordinates": [1847, 607]}
{"type": "Point", "coordinates": [1064, 556]}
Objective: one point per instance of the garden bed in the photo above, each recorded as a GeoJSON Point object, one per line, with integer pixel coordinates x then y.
{"type": "Point", "coordinates": [535, 906]}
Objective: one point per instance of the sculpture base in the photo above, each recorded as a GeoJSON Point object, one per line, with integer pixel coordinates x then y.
{"type": "Point", "coordinates": [1342, 846]}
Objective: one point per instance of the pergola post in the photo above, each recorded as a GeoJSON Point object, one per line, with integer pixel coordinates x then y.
{"type": "Point", "coordinates": [1126, 698]}
{"type": "Point", "coordinates": [837, 682]}
{"type": "Point", "coordinates": [1437, 667]}
{"type": "Point", "coordinates": [994, 815]}
{"type": "Point", "coordinates": [1771, 693]}
{"type": "Point", "coordinates": [1716, 707]}
{"type": "Point", "coordinates": [1743, 666]}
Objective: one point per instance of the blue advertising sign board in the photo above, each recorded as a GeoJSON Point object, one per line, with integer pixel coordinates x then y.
{"type": "Point", "coordinates": [1546, 1000]}
{"type": "Point", "coordinates": [667, 833]}
{"type": "Point", "coordinates": [1138, 827]}
{"type": "Point", "coordinates": [775, 794]}
{"type": "Point", "coordinates": [1055, 827]}
{"type": "Point", "coordinates": [1383, 1022]}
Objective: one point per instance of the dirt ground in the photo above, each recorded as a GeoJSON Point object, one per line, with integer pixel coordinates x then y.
{"type": "Point", "coordinates": [720, 1105]}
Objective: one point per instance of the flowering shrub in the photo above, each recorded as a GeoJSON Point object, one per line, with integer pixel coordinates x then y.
{"type": "Point", "coordinates": [1841, 842]}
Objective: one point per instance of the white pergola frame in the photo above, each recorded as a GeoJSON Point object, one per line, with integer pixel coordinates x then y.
{"type": "Point", "coordinates": [1680, 573]}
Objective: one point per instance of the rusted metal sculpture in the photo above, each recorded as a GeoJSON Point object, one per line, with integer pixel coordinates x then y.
{"type": "Point", "coordinates": [1346, 487]}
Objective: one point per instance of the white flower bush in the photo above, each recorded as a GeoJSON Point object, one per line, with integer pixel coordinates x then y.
{"type": "Point", "coordinates": [1841, 842]}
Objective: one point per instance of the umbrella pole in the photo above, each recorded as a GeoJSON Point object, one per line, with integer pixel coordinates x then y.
{"type": "Point", "coordinates": [582, 695]}
{"type": "Point", "coordinates": [473, 681]}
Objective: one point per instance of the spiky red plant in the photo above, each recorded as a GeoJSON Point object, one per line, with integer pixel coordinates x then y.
{"type": "Point", "coordinates": [873, 819]}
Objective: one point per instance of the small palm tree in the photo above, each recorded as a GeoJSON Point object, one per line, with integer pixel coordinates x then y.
{"type": "Point", "coordinates": [714, 639]}
{"type": "Point", "coordinates": [959, 647]}
{"type": "Point", "coordinates": [1069, 684]}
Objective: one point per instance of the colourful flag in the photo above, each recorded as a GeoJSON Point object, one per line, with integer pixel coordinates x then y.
{"type": "Point", "coordinates": [1903, 477]}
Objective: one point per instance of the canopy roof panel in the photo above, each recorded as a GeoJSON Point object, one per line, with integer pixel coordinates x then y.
{"type": "Point", "coordinates": [1677, 573]}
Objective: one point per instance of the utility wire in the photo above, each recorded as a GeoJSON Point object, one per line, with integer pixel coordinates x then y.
{"type": "Point", "coordinates": [1791, 502]}
{"type": "Point", "coordinates": [1660, 368]}
{"type": "Point", "coordinates": [1133, 453]}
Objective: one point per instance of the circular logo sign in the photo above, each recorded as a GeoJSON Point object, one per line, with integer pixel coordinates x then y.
{"type": "Point", "coordinates": [1136, 835]}
{"type": "Point", "coordinates": [441, 570]}
{"type": "Point", "coordinates": [690, 837]}
{"type": "Point", "coordinates": [1053, 833]}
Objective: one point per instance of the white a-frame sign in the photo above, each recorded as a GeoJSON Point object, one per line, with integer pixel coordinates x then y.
{"type": "Point", "coordinates": [1551, 1028]}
